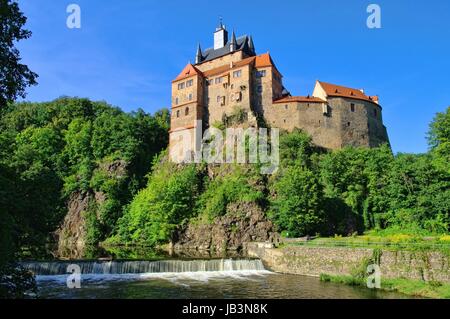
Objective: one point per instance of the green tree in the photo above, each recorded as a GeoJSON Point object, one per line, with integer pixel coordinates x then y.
{"type": "Point", "coordinates": [166, 202]}
{"type": "Point", "coordinates": [418, 194]}
{"type": "Point", "coordinates": [439, 140]}
{"type": "Point", "coordinates": [296, 148]}
{"type": "Point", "coordinates": [233, 183]}
{"type": "Point", "coordinates": [297, 205]}
{"type": "Point", "coordinates": [14, 76]}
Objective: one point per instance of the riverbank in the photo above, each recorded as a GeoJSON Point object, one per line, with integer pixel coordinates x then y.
{"type": "Point", "coordinates": [414, 272]}
{"type": "Point", "coordinates": [417, 288]}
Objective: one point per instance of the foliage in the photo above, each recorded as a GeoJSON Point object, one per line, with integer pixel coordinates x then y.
{"type": "Point", "coordinates": [439, 140]}
{"type": "Point", "coordinates": [297, 204]}
{"type": "Point", "coordinates": [166, 202]}
{"type": "Point", "coordinates": [419, 288]}
{"type": "Point", "coordinates": [50, 150]}
{"type": "Point", "coordinates": [14, 76]}
{"type": "Point", "coordinates": [234, 183]}
{"type": "Point", "coordinates": [418, 195]}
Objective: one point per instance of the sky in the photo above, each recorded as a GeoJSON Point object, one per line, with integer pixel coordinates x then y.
{"type": "Point", "coordinates": [127, 52]}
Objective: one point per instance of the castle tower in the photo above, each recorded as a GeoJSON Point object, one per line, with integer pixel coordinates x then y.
{"type": "Point", "coordinates": [220, 36]}
{"type": "Point", "coordinates": [187, 112]}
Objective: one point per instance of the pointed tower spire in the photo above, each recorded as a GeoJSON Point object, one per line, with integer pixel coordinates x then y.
{"type": "Point", "coordinates": [233, 43]}
{"type": "Point", "coordinates": [199, 55]}
{"type": "Point", "coordinates": [251, 46]}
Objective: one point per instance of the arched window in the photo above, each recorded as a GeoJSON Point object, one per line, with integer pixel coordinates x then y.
{"type": "Point", "coordinates": [186, 111]}
{"type": "Point", "coordinates": [178, 113]}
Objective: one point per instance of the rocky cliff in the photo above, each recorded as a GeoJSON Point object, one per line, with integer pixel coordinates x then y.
{"type": "Point", "coordinates": [72, 235]}
{"type": "Point", "coordinates": [244, 222]}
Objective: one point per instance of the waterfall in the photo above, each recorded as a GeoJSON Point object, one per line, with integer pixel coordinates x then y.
{"type": "Point", "coordinates": [136, 267]}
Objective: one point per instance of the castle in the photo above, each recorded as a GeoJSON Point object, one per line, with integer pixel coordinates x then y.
{"type": "Point", "coordinates": [230, 79]}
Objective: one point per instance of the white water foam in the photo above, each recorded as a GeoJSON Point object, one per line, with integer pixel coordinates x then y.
{"type": "Point", "coordinates": [174, 277]}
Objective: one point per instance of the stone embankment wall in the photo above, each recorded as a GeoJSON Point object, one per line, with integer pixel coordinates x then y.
{"type": "Point", "coordinates": [313, 261]}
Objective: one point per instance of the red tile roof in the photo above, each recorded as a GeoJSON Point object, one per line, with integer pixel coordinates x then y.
{"type": "Point", "coordinates": [334, 90]}
{"type": "Point", "coordinates": [301, 99]}
{"type": "Point", "coordinates": [227, 67]}
{"type": "Point", "coordinates": [188, 71]}
{"type": "Point", "coordinates": [264, 60]}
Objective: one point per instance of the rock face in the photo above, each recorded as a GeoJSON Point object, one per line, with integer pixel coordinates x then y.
{"type": "Point", "coordinates": [72, 233]}
{"type": "Point", "coordinates": [244, 222]}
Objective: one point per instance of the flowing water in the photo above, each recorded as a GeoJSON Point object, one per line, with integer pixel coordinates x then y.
{"type": "Point", "coordinates": [185, 279]}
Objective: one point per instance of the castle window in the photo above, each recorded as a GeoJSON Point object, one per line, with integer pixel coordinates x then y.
{"type": "Point", "coordinates": [286, 107]}
{"type": "Point", "coordinates": [176, 101]}
{"type": "Point", "coordinates": [352, 107]}
{"type": "Point", "coordinates": [237, 74]}
{"type": "Point", "coordinates": [190, 96]}
{"type": "Point", "coordinates": [261, 73]}
{"type": "Point", "coordinates": [178, 113]}
{"type": "Point", "coordinates": [218, 80]}
{"type": "Point", "coordinates": [181, 86]}
{"type": "Point", "coordinates": [189, 83]}
{"type": "Point", "coordinates": [186, 111]}
{"type": "Point", "coordinates": [348, 123]}
{"type": "Point", "coordinates": [219, 98]}
{"type": "Point", "coordinates": [284, 120]}
{"type": "Point", "coordinates": [259, 89]}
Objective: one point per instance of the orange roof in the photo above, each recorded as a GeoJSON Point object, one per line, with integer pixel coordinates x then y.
{"type": "Point", "coordinates": [189, 70]}
{"type": "Point", "coordinates": [342, 91]}
{"type": "Point", "coordinates": [305, 99]}
{"type": "Point", "coordinates": [227, 67]}
{"type": "Point", "coordinates": [263, 60]}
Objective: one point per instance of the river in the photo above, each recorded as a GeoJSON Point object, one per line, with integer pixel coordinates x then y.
{"type": "Point", "coordinates": [185, 279]}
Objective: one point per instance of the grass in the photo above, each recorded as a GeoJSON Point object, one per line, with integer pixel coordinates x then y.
{"type": "Point", "coordinates": [385, 240]}
{"type": "Point", "coordinates": [417, 288]}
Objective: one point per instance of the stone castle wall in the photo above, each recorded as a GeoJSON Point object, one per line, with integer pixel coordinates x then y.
{"type": "Point", "coordinates": [313, 261]}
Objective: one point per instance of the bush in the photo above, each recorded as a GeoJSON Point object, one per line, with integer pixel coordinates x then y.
{"type": "Point", "coordinates": [234, 184]}
{"type": "Point", "coordinates": [166, 202]}
{"type": "Point", "coordinates": [297, 205]}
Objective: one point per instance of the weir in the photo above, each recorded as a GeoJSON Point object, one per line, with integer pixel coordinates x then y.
{"type": "Point", "coordinates": [136, 267]}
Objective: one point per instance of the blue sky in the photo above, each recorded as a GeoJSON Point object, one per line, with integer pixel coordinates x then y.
{"type": "Point", "coordinates": [128, 51]}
